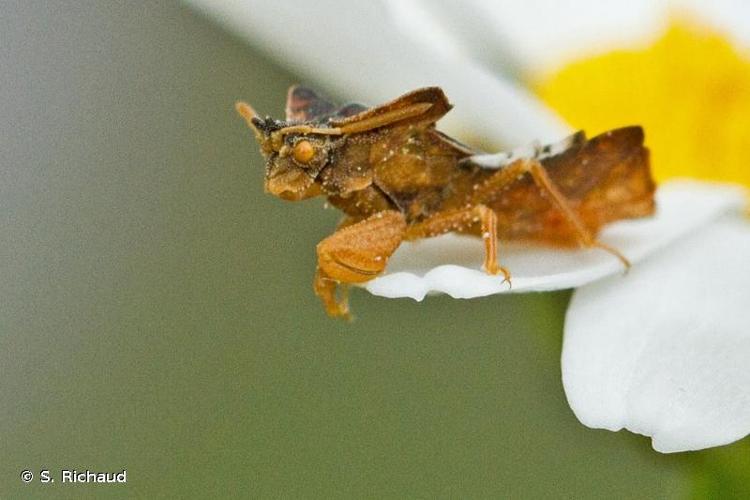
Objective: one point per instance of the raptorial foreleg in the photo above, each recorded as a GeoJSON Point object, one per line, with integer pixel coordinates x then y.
{"type": "Point", "coordinates": [355, 253]}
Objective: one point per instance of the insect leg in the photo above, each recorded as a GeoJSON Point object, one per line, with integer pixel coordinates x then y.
{"type": "Point", "coordinates": [539, 174]}
{"type": "Point", "coordinates": [456, 220]}
{"type": "Point", "coordinates": [326, 289]}
{"type": "Point", "coordinates": [355, 253]}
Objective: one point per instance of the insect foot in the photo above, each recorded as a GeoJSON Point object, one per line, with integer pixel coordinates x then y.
{"type": "Point", "coordinates": [497, 269]}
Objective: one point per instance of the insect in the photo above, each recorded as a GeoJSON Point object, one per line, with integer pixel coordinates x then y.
{"type": "Point", "coordinates": [396, 178]}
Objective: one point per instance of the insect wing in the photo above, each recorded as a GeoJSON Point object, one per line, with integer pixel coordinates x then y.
{"type": "Point", "coordinates": [304, 104]}
{"type": "Point", "coordinates": [348, 110]}
{"type": "Point", "coordinates": [427, 104]}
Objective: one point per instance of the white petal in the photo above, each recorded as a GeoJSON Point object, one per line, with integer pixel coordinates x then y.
{"type": "Point", "coordinates": [728, 16]}
{"type": "Point", "coordinates": [666, 352]}
{"type": "Point", "coordinates": [356, 49]}
{"type": "Point", "coordinates": [452, 264]}
{"type": "Point", "coordinates": [459, 30]}
{"type": "Point", "coordinates": [515, 33]}
{"type": "Point", "coordinates": [537, 35]}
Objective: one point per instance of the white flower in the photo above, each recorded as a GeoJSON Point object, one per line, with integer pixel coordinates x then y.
{"type": "Point", "coordinates": [663, 351]}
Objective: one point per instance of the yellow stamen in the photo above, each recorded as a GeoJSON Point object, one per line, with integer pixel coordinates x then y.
{"type": "Point", "coordinates": [690, 91]}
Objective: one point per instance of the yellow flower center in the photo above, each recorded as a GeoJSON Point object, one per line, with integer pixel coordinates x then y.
{"type": "Point", "coordinates": [690, 91]}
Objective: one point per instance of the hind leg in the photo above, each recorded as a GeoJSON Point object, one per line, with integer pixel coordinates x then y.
{"type": "Point", "coordinates": [511, 173]}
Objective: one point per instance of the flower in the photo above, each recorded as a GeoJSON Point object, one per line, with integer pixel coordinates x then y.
{"type": "Point", "coordinates": [690, 90]}
{"type": "Point", "coordinates": [662, 352]}
{"type": "Point", "coordinates": [665, 352]}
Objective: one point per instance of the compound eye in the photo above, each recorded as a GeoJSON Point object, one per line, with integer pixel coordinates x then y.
{"type": "Point", "coordinates": [303, 152]}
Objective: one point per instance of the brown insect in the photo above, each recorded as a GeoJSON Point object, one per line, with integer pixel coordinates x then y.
{"type": "Point", "coordinates": [396, 177]}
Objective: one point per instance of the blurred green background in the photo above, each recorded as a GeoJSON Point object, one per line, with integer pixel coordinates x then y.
{"type": "Point", "coordinates": [157, 312]}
